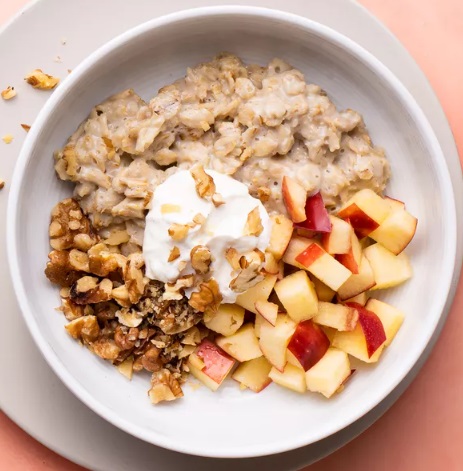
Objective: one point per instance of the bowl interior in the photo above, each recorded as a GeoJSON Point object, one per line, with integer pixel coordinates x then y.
{"type": "Point", "coordinates": [231, 422]}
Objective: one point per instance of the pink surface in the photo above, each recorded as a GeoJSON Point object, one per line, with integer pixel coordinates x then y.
{"type": "Point", "coordinates": [423, 430]}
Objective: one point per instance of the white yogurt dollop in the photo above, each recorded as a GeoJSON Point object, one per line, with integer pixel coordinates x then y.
{"type": "Point", "coordinates": [176, 201]}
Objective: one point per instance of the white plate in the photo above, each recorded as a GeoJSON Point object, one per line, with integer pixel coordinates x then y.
{"type": "Point", "coordinates": [59, 431]}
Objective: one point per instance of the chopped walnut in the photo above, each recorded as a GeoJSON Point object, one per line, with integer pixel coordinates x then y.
{"type": "Point", "coordinates": [175, 291]}
{"type": "Point", "coordinates": [217, 200]}
{"type": "Point", "coordinates": [40, 80]}
{"type": "Point", "coordinates": [192, 336]}
{"type": "Point", "coordinates": [106, 349]}
{"type": "Point", "coordinates": [8, 93]}
{"type": "Point", "coordinates": [164, 387]}
{"type": "Point", "coordinates": [204, 183]}
{"type": "Point", "coordinates": [133, 277]}
{"type": "Point", "coordinates": [253, 226]}
{"type": "Point", "coordinates": [150, 359]}
{"type": "Point", "coordinates": [129, 317]}
{"type": "Point", "coordinates": [121, 295]}
{"type": "Point", "coordinates": [250, 271]}
{"type": "Point", "coordinates": [65, 216]}
{"type": "Point", "coordinates": [126, 338]}
{"type": "Point", "coordinates": [126, 367]}
{"type": "Point", "coordinates": [26, 127]}
{"type": "Point", "coordinates": [73, 311]}
{"type": "Point", "coordinates": [79, 260]}
{"type": "Point", "coordinates": [59, 270]}
{"type": "Point", "coordinates": [198, 220]}
{"type": "Point", "coordinates": [117, 238]}
{"type": "Point", "coordinates": [201, 259]}
{"type": "Point", "coordinates": [178, 231]}
{"type": "Point", "coordinates": [208, 298]}
{"type": "Point", "coordinates": [84, 328]}
{"type": "Point", "coordinates": [8, 138]}
{"type": "Point", "coordinates": [174, 254]}
{"type": "Point", "coordinates": [102, 262]}
{"type": "Point", "coordinates": [263, 193]}
{"type": "Point", "coordinates": [88, 290]}
{"type": "Point", "coordinates": [233, 258]}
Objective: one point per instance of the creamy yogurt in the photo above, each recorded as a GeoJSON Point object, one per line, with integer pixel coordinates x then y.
{"type": "Point", "coordinates": [176, 201]}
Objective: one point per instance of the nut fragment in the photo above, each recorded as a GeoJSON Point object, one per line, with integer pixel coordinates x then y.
{"type": "Point", "coordinates": [40, 80]}
{"type": "Point", "coordinates": [106, 349]}
{"type": "Point", "coordinates": [208, 298]}
{"type": "Point", "coordinates": [175, 291]}
{"type": "Point", "coordinates": [263, 193]}
{"type": "Point", "coordinates": [87, 290]}
{"type": "Point", "coordinates": [200, 259]}
{"type": "Point", "coordinates": [129, 317]}
{"type": "Point", "coordinates": [174, 254]}
{"type": "Point", "coordinates": [150, 359]}
{"type": "Point", "coordinates": [253, 226]}
{"type": "Point", "coordinates": [217, 200]}
{"type": "Point", "coordinates": [126, 367]}
{"type": "Point", "coordinates": [84, 328]}
{"type": "Point", "coordinates": [8, 93]}
{"type": "Point", "coordinates": [198, 220]}
{"type": "Point", "coordinates": [8, 138]}
{"type": "Point", "coordinates": [164, 387]}
{"type": "Point", "coordinates": [2, 184]}
{"type": "Point", "coordinates": [26, 127]}
{"type": "Point", "coordinates": [178, 231]}
{"type": "Point", "coordinates": [59, 270]}
{"type": "Point", "coordinates": [204, 183]}
{"type": "Point", "coordinates": [250, 271]}
{"type": "Point", "coordinates": [73, 311]}
{"type": "Point", "coordinates": [233, 258]}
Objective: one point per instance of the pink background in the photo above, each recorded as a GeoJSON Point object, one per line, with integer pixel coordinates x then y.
{"type": "Point", "coordinates": [423, 430]}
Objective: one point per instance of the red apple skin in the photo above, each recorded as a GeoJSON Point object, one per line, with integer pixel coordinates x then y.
{"type": "Point", "coordinates": [217, 363]}
{"type": "Point", "coordinates": [360, 221]}
{"type": "Point", "coordinates": [308, 344]}
{"type": "Point", "coordinates": [372, 327]}
{"type": "Point", "coordinates": [317, 217]}
{"type": "Point", "coordinates": [310, 254]}
{"type": "Point", "coordinates": [348, 260]}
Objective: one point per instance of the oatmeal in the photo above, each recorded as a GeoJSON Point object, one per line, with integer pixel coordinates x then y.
{"type": "Point", "coordinates": [253, 123]}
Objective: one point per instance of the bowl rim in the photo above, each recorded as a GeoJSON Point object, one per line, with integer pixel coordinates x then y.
{"type": "Point", "coordinates": [350, 47]}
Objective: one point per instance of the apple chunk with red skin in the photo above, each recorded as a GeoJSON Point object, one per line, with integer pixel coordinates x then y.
{"type": "Point", "coordinates": [359, 283]}
{"type": "Point", "coordinates": [352, 259]}
{"type": "Point", "coordinates": [210, 364]}
{"type": "Point", "coordinates": [243, 345]}
{"type": "Point", "coordinates": [366, 211]}
{"type": "Point", "coordinates": [372, 327]}
{"type": "Point", "coordinates": [294, 197]}
{"type": "Point", "coordinates": [317, 217]}
{"type": "Point", "coordinates": [325, 267]}
{"type": "Point", "coordinates": [308, 344]}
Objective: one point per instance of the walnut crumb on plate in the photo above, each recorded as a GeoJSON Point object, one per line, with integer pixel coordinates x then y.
{"type": "Point", "coordinates": [8, 93]}
{"type": "Point", "coordinates": [8, 138]}
{"type": "Point", "coordinates": [38, 79]}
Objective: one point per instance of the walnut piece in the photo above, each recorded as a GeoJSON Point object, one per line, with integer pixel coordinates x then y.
{"type": "Point", "coordinates": [73, 311]}
{"type": "Point", "coordinates": [88, 290]}
{"type": "Point", "coordinates": [164, 387]}
{"type": "Point", "coordinates": [8, 93]}
{"type": "Point", "coordinates": [40, 80]}
{"type": "Point", "coordinates": [67, 223]}
{"type": "Point", "coordinates": [253, 226]}
{"type": "Point", "coordinates": [178, 231]}
{"type": "Point", "coordinates": [129, 317]}
{"type": "Point", "coordinates": [233, 258]}
{"type": "Point", "coordinates": [84, 328]}
{"type": "Point", "coordinates": [217, 200]}
{"type": "Point", "coordinates": [106, 349]}
{"type": "Point", "coordinates": [174, 254]}
{"type": "Point", "coordinates": [26, 127]}
{"type": "Point", "coordinates": [175, 291]}
{"type": "Point", "coordinates": [263, 193]}
{"type": "Point", "coordinates": [8, 138]}
{"type": "Point", "coordinates": [250, 271]}
{"type": "Point", "coordinates": [201, 259]}
{"type": "Point", "coordinates": [59, 270]}
{"type": "Point", "coordinates": [204, 183]}
{"type": "Point", "coordinates": [208, 298]}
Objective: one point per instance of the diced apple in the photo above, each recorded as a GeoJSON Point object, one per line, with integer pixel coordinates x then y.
{"type": "Point", "coordinates": [291, 377]}
{"type": "Point", "coordinates": [358, 284]}
{"type": "Point", "coordinates": [329, 332]}
{"type": "Point", "coordinates": [361, 298]}
{"type": "Point", "coordinates": [338, 241]}
{"type": "Point", "coordinates": [388, 269]}
{"type": "Point", "coordinates": [297, 294]}
{"type": "Point", "coordinates": [258, 322]}
{"type": "Point", "coordinates": [259, 292]}
{"type": "Point", "coordinates": [269, 311]}
{"type": "Point", "coordinates": [308, 344]}
{"type": "Point", "coordinates": [322, 265]}
{"type": "Point", "coordinates": [254, 374]}
{"type": "Point", "coordinates": [243, 345]}
{"type": "Point", "coordinates": [296, 246]}
{"type": "Point", "coordinates": [396, 231]}
{"type": "Point", "coordinates": [282, 231]}
{"type": "Point", "coordinates": [352, 259]}
{"type": "Point", "coordinates": [210, 364]}
{"type": "Point", "coordinates": [317, 217]}
{"type": "Point", "coordinates": [390, 317]}
{"type": "Point", "coordinates": [372, 327]}
{"type": "Point", "coordinates": [330, 373]}
{"type": "Point", "coordinates": [324, 293]}
{"type": "Point", "coordinates": [366, 211]}
{"type": "Point", "coordinates": [274, 340]}
{"type": "Point", "coordinates": [227, 320]}
{"type": "Point", "coordinates": [354, 344]}
{"type": "Point", "coordinates": [294, 197]}
{"type": "Point", "coordinates": [394, 204]}
{"type": "Point", "coordinates": [293, 360]}
{"type": "Point", "coordinates": [337, 316]}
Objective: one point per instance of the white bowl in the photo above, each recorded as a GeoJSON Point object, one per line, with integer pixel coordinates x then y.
{"type": "Point", "coordinates": [231, 423]}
